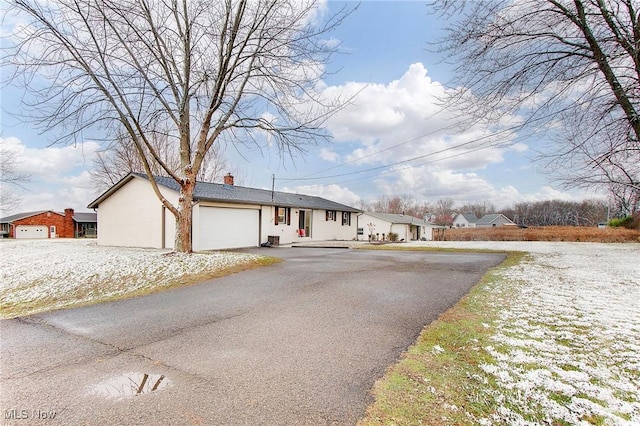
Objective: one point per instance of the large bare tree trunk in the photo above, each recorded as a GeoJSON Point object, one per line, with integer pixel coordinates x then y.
{"type": "Point", "coordinates": [184, 219]}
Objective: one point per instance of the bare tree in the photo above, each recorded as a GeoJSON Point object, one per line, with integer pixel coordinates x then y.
{"type": "Point", "coordinates": [237, 71]}
{"type": "Point", "coordinates": [558, 213]}
{"type": "Point", "coordinates": [121, 157]}
{"type": "Point", "coordinates": [625, 201]}
{"type": "Point", "coordinates": [479, 209]}
{"type": "Point", "coordinates": [444, 212]}
{"type": "Point", "coordinates": [570, 69]}
{"type": "Point", "coordinates": [10, 178]}
{"type": "Point", "coordinates": [398, 205]}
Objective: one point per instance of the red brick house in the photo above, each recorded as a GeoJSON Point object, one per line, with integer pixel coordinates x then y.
{"type": "Point", "coordinates": [49, 224]}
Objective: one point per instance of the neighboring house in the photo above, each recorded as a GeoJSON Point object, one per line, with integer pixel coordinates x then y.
{"type": "Point", "coordinates": [49, 224]}
{"type": "Point", "coordinates": [465, 220]}
{"type": "Point", "coordinates": [494, 220]}
{"type": "Point", "coordinates": [224, 216]}
{"type": "Point", "coordinates": [381, 224]}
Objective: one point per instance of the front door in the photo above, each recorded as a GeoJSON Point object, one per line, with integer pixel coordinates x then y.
{"type": "Point", "coordinates": [52, 231]}
{"type": "Point", "coordinates": [304, 223]}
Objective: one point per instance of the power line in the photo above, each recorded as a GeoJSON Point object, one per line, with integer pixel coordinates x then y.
{"type": "Point", "coordinates": [401, 161]}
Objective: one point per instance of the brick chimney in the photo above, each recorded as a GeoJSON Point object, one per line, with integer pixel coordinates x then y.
{"type": "Point", "coordinates": [228, 179]}
{"type": "Point", "coordinates": [68, 231]}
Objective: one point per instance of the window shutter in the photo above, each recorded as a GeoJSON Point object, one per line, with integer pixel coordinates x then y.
{"type": "Point", "coordinates": [288, 214]}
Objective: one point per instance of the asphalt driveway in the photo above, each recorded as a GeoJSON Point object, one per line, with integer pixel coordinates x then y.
{"type": "Point", "coordinates": [300, 342]}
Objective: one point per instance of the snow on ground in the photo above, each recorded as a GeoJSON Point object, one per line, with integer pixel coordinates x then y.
{"type": "Point", "coordinates": [41, 270]}
{"type": "Point", "coordinates": [568, 342]}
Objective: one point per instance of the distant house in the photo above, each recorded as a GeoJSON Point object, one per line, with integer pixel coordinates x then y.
{"type": "Point", "coordinates": [49, 224]}
{"type": "Point", "coordinates": [406, 227]}
{"type": "Point", "coordinates": [494, 220]}
{"type": "Point", "coordinates": [225, 216]}
{"type": "Point", "coordinates": [465, 220]}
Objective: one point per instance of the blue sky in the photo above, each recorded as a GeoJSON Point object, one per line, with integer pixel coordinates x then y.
{"type": "Point", "coordinates": [394, 119]}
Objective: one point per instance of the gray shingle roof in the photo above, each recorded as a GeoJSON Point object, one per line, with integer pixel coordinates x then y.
{"type": "Point", "coordinates": [398, 218]}
{"type": "Point", "coordinates": [490, 218]}
{"type": "Point", "coordinates": [85, 217]}
{"type": "Point", "coordinates": [216, 192]}
{"type": "Point", "coordinates": [18, 216]}
{"type": "Point", "coordinates": [470, 217]}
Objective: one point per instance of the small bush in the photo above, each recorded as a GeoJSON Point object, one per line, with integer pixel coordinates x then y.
{"type": "Point", "coordinates": [393, 236]}
{"type": "Point", "coordinates": [624, 222]}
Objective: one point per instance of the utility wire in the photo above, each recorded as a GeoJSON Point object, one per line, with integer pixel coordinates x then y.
{"type": "Point", "coordinates": [401, 161]}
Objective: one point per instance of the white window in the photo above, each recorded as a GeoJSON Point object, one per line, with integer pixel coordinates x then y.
{"type": "Point", "coordinates": [346, 219]}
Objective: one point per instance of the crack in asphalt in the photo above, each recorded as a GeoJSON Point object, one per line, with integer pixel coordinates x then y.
{"type": "Point", "coordinates": [115, 350]}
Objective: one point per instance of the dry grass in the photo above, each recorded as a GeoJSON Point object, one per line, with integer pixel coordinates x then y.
{"type": "Point", "coordinates": [545, 233]}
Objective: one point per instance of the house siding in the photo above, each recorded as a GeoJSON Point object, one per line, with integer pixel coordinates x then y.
{"type": "Point", "coordinates": [333, 230]}
{"type": "Point", "coordinates": [321, 229]}
{"type": "Point", "coordinates": [64, 224]}
{"type": "Point", "coordinates": [405, 231]}
{"type": "Point", "coordinates": [132, 217]}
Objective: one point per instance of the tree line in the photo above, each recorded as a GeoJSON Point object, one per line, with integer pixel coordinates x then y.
{"type": "Point", "coordinates": [196, 74]}
{"type": "Point", "coordinates": [529, 213]}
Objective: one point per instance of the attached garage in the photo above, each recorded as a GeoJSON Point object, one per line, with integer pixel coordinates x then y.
{"type": "Point", "coordinates": [224, 216]}
{"type": "Point", "coordinates": [32, 231]}
{"type": "Point", "coordinates": [227, 227]}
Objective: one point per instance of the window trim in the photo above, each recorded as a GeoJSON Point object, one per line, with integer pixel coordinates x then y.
{"type": "Point", "coordinates": [346, 218]}
{"type": "Point", "coordinates": [286, 218]}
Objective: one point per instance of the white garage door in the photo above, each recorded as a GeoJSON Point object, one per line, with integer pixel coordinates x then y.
{"type": "Point", "coordinates": [32, 231]}
{"type": "Point", "coordinates": [223, 228]}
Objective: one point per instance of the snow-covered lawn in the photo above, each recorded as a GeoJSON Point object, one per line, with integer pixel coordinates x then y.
{"type": "Point", "coordinates": [567, 342]}
{"type": "Point", "coordinates": [40, 275]}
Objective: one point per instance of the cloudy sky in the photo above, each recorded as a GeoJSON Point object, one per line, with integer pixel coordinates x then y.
{"type": "Point", "coordinates": [393, 140]}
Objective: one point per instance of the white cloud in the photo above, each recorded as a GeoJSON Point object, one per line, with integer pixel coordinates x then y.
{"type": "Point", "coordinates": [59, 175]}
{"type": "Point", "coordinates": [53, 161]}
{"type": "Point", "coordinates": [429, 184]}
{"type": "Point", "coordinates": [332, 192]}
{"type": "Point", "coordinates": [401, 131]}
{"type": "Point", "coordinates": [328, 155]}
{"type": "Point", "coordinates": [405, 120]}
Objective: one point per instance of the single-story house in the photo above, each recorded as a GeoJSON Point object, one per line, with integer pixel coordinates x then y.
{"type": "Point", "coordinates": [49, 224]}
{"type": "Point", "coordinates": [465, 220]}
{"type": "Point", "coordinates": [379, 225]}
{"type": "Point", "coordinates": [494, 220]}
{"type": "Point", "coordinates": [225, 216]}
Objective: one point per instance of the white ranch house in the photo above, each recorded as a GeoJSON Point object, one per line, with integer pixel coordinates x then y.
{"type": "Point", "coordinates": [225, 216]}
{"type": "Point", "coordinates": [465, 220]}
{"type": "Point", "coordinates": [494, 220]}
{"type": "Point", "coordinates": [408, 228]}
{"type": "Point", "coordinates": [470, 220]}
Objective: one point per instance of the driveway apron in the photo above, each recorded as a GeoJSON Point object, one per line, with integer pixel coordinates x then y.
{"type": "Point", "coordinates": [300, 342]}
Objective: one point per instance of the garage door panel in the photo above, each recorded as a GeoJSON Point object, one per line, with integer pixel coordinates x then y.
{"type": "Point", "coordinates": [32, 231]}
{"type": "Point", "coordinates": [222, 228]}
